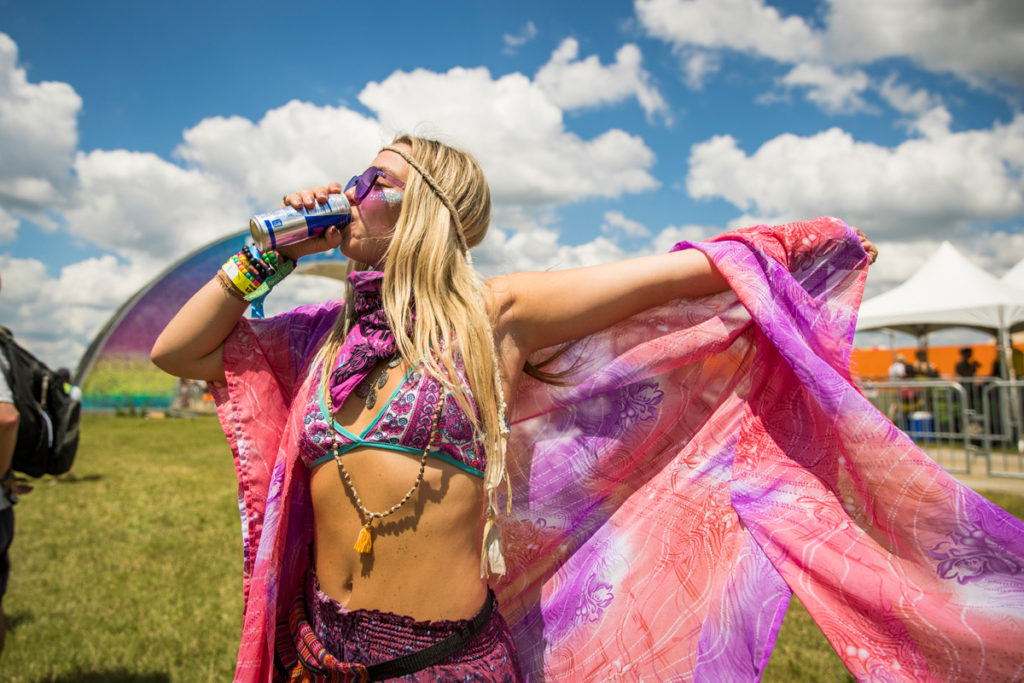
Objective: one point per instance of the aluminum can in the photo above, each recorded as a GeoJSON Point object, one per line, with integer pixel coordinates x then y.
{"type": "Point", "coordinates": [287, 226]}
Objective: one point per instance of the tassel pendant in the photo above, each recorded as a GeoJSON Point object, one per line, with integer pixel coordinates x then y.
{"type": "Point", "coordinates": [495, 554]}
{"type": "Point", "coordinates": [364, 544]}
{"type": "Point", "coordinates": [492, 560]}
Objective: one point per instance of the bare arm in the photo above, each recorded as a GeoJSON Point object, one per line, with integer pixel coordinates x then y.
{"type": "Point", "coordinates": [8, 434]}
{"type": "Point", "coordinates": [537, 310]}
{"type": "Point", "coordinates": [192, 344]}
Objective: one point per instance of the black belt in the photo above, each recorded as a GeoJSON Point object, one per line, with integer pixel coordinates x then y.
{"type": "Point", "coordinates": [429, 656]}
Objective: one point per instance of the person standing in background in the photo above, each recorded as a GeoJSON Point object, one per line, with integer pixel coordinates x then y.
{"type": "Point", "coordinates": [967, 367]}
{"type": "Point", "coordinates": [923, 368]}
{"type": "Point", "coordinates": [898, 369]}
{"type": "Point", "coordinates": [8, 438]}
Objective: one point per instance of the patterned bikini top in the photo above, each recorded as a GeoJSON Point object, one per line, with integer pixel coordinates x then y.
{"type": "Point", "coordinates": [403, 424]}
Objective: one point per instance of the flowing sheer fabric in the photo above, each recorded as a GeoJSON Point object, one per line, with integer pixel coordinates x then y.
{"type": "Point", "coordinates": [710, 457]}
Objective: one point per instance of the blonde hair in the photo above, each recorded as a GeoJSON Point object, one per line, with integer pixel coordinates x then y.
{"type": "Point", "coordinates": [446, 210]}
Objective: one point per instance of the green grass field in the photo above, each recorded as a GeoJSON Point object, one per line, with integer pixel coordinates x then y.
{"type": "Point", "coordinates": [132, 571]}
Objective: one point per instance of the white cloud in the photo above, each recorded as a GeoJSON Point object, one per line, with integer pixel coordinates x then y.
{"type": "Point", "coordinates": [980, 41]}
{"type": "Point", "coordinates": [523, 218]}
{"type": "Point", "coordinates": [933, 123]}
{"type": "Point", "coordinates": [149, 210]}
{"type": "Point", "coordinates": [516, 40]}
{"type": "Point", "coordinates": [528, 238]}
{"type": "Point", "coordinates": [38, 136]}
{"type": "Point", "coordinates": [698, 67]}
{"type": "Point", "coordinates": [897, 260]}
{"type": "Point", "coordinates": [994, 251]}
{"type": "Point", "coordinates": [55, 317]}
{"type": "Point", "coordinates": [296, 145]}
{"type": "Point", "coordinates": [922, 186]}
{"type": "Point", "coordinates": [102, 282]}
{"type": "Point", "coordinates": [616, 222]}
{"type": "Point", "coordinates": [928, 116]}
{"type": "Point", "coordinates": [510, 124]}
{"type": "Point", "coordinates": [8, 227]}
{"type": "Point", "coordinates": [673, 234]}
{"type": "Point", "coordinates": [997, 251]}
{"type": "Point", "coordinates": [573, 83]}
{"type": "Point", "coordinates": [748, 26]}
{"type": "Point", "coordinates": [903, 99]}
{"type": "Point", "coordinates": [517, 133]}
{"type": "Point", "coordinates": [836, 93]}
{"type": "Point", "coordinates": [539, 249]}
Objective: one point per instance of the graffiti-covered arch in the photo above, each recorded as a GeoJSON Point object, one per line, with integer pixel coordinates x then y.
{"type": "Point", "coordinates": [115, 371]}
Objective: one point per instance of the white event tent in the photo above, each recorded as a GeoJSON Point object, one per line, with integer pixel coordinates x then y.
{"type": "Point", "coordinates": [948, 291]}
{"type": "Point", "coordinates": [1015, 278]}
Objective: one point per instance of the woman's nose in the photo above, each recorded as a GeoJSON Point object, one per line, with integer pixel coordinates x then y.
{"type": "Point", "coordinates": [350, 195]}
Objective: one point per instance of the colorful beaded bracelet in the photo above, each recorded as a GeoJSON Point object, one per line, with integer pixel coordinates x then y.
{"type": "Point", "coordinates": [252, 274]}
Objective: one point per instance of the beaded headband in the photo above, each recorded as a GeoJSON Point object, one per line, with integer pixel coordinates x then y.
{"type": "Point", "coordinates": [441, 194]}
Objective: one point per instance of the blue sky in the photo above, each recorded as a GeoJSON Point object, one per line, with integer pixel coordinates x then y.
{"type": "Point", "coordinates": [131, 133]}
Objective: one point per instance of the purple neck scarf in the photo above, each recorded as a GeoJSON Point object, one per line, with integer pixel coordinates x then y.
{"type": "Point", "coordinates": [369, 341]}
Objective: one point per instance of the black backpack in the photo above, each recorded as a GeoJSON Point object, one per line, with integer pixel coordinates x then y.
{"type": "Point", "coordinates": [47, 416]}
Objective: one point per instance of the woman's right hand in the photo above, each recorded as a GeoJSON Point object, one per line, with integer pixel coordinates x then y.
{"type": "Point", "coordinates": [309, 199]}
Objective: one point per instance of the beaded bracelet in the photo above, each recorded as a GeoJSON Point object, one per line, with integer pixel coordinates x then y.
{"type": "Point", "coordinates": [238, 271]}
{"type": "Point", "coordinates": [252, 274]}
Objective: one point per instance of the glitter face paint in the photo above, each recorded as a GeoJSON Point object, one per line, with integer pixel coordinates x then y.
{"type": "Point", "coordinates": [380, 209]}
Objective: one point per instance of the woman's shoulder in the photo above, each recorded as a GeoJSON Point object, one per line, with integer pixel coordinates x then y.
{"type": "Point", "coordinates": [499, 295]}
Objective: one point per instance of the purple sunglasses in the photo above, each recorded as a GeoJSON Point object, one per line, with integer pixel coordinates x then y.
{"type": "Point", "coordinates": [365, 182]}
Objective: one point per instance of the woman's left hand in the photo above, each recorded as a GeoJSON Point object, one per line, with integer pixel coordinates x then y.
{"type": "Point", "coordinates": [869, 247]}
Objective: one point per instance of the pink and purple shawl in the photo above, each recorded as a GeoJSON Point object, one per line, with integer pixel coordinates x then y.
{"type": "Point", "coordinates": [710, 458]}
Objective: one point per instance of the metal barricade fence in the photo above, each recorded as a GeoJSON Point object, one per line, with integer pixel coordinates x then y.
{"type": "Point", "coordinates": [1002, 403]}
{"type": "Point", "coordinates": [955, 423]}
{"type": "Point", "coordinates": [934, 413]}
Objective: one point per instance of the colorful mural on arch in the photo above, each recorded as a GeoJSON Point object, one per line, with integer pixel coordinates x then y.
{"type": "Point", "coordinates": [115, 372]}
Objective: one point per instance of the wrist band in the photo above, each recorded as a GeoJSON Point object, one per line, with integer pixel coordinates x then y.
{"type": "Point", "coordinates": [264, 287]}
{"type": "Point", "coordinates": [239, 274]}
{"type": "Point", "coordinates": [228, 286]}
{"type": "Point", "coordinates": [250, 274]}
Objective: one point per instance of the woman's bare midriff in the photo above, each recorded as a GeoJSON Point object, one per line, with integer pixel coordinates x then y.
{"type": "Point", "coordinates": [425, 561]}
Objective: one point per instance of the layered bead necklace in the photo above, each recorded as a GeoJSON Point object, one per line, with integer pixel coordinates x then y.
{"type": "Point", "coordinates": [364, 542]}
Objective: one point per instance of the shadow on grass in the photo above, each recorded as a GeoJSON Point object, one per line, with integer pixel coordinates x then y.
{"type": "Point", "coordinates": [71, 478]}
{"type": "Point", "coordinates": [16, 619]}
{"type": "Point", "coordinates": [113, 676]}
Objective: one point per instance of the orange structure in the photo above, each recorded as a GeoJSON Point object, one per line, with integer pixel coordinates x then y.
{"type": "Point", "coordinates": [873, 363]}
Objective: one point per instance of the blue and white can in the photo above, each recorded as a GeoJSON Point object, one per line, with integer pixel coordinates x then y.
{"type": "Point", "coordinates": [285, 226]}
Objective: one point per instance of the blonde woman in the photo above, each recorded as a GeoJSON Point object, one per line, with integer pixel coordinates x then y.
{"type": "Point", "coordinates": [369, 436]}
